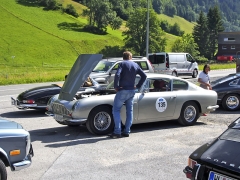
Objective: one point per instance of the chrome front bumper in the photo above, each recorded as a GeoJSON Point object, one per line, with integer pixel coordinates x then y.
{"type": "Point", "coordinates": [66, 120]}
{"type": "Point", "coordinates": [25, 163]}
{"type": "Point", "coordinates": [212, 108]}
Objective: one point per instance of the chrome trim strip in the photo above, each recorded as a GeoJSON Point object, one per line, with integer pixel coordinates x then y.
{"type": "Point", "coordinates": [196, 175]}
{"type": "Point", "coordinates": [76, 120]}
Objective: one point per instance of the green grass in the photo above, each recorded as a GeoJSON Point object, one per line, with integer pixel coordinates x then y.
{"type": "Point", "coordinates": [34, 36]}
{"type": "Point", "coordinates": [217, 66]}
{"type": "Point", "coordinates": [185, 25]}
{"type": "Point", "coordinates": [39, 46]}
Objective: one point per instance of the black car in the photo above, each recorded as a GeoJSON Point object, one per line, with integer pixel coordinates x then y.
{"type": "Point", "coordinates": [37, 98]}
{"type": "Point", "coordinates": [219, 159]}
{"type": "Point", "coordinates": [228, 90]}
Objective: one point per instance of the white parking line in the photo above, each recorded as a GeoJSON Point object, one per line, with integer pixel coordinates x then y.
{"type": "Point", "coordinates": [10, 89]}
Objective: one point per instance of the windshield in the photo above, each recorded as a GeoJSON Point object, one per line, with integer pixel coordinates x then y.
{"type": "Point", "coordinates": [103, 66]}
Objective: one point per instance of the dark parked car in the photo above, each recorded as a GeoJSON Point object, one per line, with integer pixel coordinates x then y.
{"type": "Point", "coordinates": [37, 98]}
{"type": "Point", "coordinates": [228, 90]}
{"type": "Point", "coordinates": [15, 147]}
{"type": "Point", "coordinates": [219, 159]}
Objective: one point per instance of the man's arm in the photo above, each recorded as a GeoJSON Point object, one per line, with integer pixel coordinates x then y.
{"type": "Point", "coordinates": [143, 78]}
{"type": "Point", "coordinates": [117, 77]}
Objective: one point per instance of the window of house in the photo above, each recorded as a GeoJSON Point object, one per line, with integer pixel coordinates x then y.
{"type": "Point", "coordinates": [229, 39]}
{"type": "Point", "coordinates": [224, 47]}
{"type": "Point", "coordinates": [232, 47]}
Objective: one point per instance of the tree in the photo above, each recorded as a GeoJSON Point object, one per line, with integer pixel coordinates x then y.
{"type": "Point", "coordinates": [135, 35]}
{"type": "Point", "coordinates": [185, 44]}
{"type": "Point", "coordinates": [175, 29]}
{"type": "Point", "coordinates": [71, 10]}
{"type": "Point", "coordinates": [201, 34]}
{"type": "Point", "coordinates": [215, 25]}
{"type": "Point", "coordinates": [101, 15]}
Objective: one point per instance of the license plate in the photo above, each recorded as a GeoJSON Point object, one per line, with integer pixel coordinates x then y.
{"type": "Point", "coordinates": [58, 117]}
{"type": "Point", "coordinates": [214, 176]}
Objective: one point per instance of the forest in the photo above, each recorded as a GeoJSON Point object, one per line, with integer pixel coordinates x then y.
{"type": "Point", "coordinates": [188, 9]}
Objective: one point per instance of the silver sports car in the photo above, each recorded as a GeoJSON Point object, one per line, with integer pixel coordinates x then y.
{"type": "Point", "coordinates": [162, 97]}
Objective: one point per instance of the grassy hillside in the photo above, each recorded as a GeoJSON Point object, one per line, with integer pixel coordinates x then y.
{"type": "Point", "coordinates": [33, 35]}
{"type": "Point", "coordinates": [34, 40]}
{"type": "Point", "coordinates": [185, 25]}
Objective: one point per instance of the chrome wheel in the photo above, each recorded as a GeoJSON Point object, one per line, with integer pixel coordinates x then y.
{"type": "Point", "coordinates": [232, 102]}
{"type": "Point", "coordinates": [102, 121]}
{"type": "Point", "coordinates": [190, 113]}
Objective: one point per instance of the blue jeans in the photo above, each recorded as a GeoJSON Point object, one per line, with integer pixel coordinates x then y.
{"type": "Point", "coordinates": [123, 96]}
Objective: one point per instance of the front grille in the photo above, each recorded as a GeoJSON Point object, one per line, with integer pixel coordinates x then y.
{"type": "Point", "coordinates": [60, 109]}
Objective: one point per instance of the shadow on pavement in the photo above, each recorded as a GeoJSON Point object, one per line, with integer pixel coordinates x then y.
{"type": "Point", "coordinates": [29, 113]}
{"type": "Point", "coordinates": [71, 136]}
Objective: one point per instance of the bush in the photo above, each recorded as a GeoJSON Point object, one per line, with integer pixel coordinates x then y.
{"type": "Point", "coordinates": [50, 4]}
{"type": "Point", "coordinates": [71, 10]}
{"type": "Point", "coordinates": [201, 60]}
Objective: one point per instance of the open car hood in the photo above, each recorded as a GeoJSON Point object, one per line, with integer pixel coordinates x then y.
{"type": "Point", "coordinates": [79, 72]}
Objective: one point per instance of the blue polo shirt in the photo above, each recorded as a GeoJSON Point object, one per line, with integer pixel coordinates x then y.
{"type": "Point", "coordinates": [126, 74]}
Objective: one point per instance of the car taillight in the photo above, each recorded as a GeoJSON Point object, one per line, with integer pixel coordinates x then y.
{"type": "Point", "coordinates": [29, 101]}
{"type": "Point", "coordinates": [167, 63]}
{"type": "Point", "coordinates": [191, 163]}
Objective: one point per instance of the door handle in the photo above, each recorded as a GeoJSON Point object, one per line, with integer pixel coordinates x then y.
{"type": "Point", "coordinates": [173, 97]}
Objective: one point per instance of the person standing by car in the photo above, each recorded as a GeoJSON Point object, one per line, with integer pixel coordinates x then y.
{"type": "Point", "coordinates": [124, 84]}
{"type": "Point", "coordinates": [204, 78]}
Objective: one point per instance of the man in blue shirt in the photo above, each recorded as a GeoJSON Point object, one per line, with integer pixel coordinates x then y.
{"type": "Point", "coordinates": [124, 84]}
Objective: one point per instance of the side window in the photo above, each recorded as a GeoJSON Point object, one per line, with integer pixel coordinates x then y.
{"type": "Point", "coordinates": [179, 85]}
{"type": "Point", "coordinates": [234, 82]}
{"type": "Point", "coordinates": [115, 67]}
{"type": "Point", "coordinates": [159, 85]}
{"type": "Point", "coordinates": [189, 57]}
{"type": "Point", "coordinates": [143, 65]}
{"type": "Point", "coordinates": [157, 59]}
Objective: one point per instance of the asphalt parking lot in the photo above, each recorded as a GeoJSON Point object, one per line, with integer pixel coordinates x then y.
{"type": "Point", "coordinates": [153, 151]}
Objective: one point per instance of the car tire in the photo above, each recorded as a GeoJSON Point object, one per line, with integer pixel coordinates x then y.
{"type": "Point", "coordinates": [100, 120]}
{"type": "Point", "coordinates": [231, 102]}
{"type": "Point", "coordinates": [3, 171]}
{"type": "Point", "coordinates": [189, 114]}
{"type": "Point", "coordinates": [195, 73]}
{"type": "Point", "coordinates": [174, 73]}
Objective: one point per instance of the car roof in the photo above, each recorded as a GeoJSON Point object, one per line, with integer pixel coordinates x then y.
{"type": "Point", "coordinates": [156, 75]}
{"type": "Point", "coordinates": [115, 59]}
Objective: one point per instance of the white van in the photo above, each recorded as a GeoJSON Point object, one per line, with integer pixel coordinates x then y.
{"type": "Point", "coordinates": [176, 64]}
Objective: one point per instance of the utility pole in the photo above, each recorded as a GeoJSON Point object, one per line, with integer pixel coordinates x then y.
{"type": "Point", "coordinates": [147, 35]}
